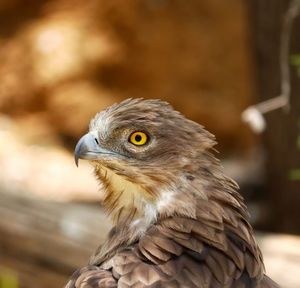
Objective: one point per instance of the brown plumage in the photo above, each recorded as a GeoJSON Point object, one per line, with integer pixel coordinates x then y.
{"type": "Point", "coordinates": [179, 221]}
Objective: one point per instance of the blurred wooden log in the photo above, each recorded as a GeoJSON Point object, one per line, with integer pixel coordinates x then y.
{"type": "Point", "coordinates": [47, 240]}
{"type": "Point", "coordinates": [44, 242]}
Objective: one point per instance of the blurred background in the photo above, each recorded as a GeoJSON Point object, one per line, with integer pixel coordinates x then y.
{"type": "Point", "coordinates": [62, 61]}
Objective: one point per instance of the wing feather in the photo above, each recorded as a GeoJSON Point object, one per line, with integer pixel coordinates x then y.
{"type": "Point", "coordinates": [92, 277]}
{"type": "Point", "coordinates": [183, 253]}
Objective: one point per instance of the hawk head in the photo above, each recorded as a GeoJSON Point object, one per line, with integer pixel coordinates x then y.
{"type": "Point", "coordinates": [143, 151]}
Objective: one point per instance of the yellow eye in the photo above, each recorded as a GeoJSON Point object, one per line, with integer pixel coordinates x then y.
{"type": "Point", "coordinates": [138, 138]}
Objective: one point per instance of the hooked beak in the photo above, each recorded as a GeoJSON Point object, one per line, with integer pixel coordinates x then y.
{"type": "Point", "coordinates": [88, 148]}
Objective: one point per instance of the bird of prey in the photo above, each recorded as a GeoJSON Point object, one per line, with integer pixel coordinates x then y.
{"type": "Point", "coordinates": [179, 220]}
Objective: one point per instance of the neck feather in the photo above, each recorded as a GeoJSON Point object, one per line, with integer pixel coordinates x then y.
{"type": "Point", "coordinates": [206, 195]}
{"type": "Point", "coordinates": [130, 203]}
{"type": "Point", "coordinates": [125, 201]}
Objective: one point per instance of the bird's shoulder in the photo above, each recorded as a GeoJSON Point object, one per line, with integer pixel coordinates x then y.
{"type": "Point", "coordinates": [179, 252]}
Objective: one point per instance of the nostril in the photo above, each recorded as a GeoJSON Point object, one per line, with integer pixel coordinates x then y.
{"type": "Point", "coordinates": [96, 140]}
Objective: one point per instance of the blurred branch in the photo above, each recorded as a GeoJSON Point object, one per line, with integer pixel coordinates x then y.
{"type": "Point", "coordinates": [253, 115]}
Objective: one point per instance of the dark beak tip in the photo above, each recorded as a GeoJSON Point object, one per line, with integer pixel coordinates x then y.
{"type": "Point", "coordinates": [76, 161]}
{"type": "Point", "coordinates": [76, 156]}
{"type": "Point", "coordinates": [78, 150]}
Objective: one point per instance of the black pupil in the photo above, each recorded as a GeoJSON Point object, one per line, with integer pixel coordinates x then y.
{"type": "Point", "coordinates": [138, 138]}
